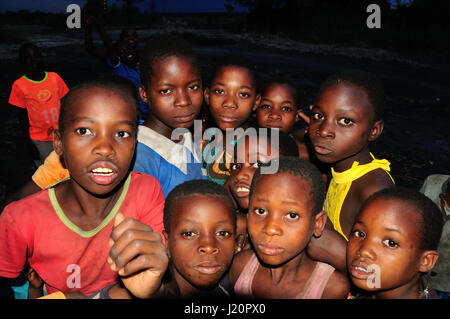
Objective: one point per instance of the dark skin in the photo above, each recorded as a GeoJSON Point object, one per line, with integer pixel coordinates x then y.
{"type": "Point", "coordinates": [200, 244]}
{"type": "Point", "coordinates": [103, 124]}
{"type": "Point", "coordinates": [173, 94]}
{"type": "Point", "coordinates": [125, 49]}
{"type": "Point", "coordinates": [280, 229]}
{"type": "Point", "coordinates": [341, 128]}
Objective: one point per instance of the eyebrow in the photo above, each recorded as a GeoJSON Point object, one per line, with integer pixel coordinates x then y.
{"type": "Point", "coordinates": [223, 221]}
{"type": "Point", "coordinates": [264, 200]}
{"type": "Point", "coordinates": [242, 86]}
{"type": "Point", "coordinates": [285, 101]}
{"type": "Point", "coordinates": [392, 229]}
{"type": "Point", "coordinates": [91, 120]}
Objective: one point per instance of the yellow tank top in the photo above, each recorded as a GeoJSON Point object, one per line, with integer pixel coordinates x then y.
{"type": "Point", "coordinates": [340, 185]}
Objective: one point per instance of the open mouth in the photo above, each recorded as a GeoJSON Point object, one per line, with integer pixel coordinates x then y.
{"type": "Point", "coordinates": [102, 174]}
{"type": "Point", "coordinates": [360, 272]}
{"type": "Point", "coordinates": [242, 191]}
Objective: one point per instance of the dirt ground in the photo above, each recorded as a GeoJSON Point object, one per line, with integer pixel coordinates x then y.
{"type": "Point", "coordinates": [416, 137]}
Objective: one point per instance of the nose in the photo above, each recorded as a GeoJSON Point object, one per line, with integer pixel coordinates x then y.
{"type": "Point", "coordinates": [325, 130]}
{"type": "Point", "coordinates": [272, 227]}
{"type": "Point", "coordinates": [104, 146]}
{"type": "Point", "coordinates": [207, 246]}
{"type": "Point", "coordinates": [229, 102]}
{"type": "Point", "coordinates": [366, 250]}
{"type": "Point", "coordinates": [182, 98]}
{"type": "Point", "coordinates": [275, 114]}
{"type": "Point", "coordinates": [244, 174]}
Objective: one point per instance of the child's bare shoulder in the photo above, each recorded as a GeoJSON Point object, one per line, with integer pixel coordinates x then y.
{"type": "Point", "coordinates": [338, 286]}
{"type": "Point", "coordinates": [239, 262]}
{"type": "Point", "coordinates": [372, 182]}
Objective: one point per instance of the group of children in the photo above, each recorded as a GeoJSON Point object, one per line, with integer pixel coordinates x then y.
{"type": "Point", "coordinates": [122, 209]}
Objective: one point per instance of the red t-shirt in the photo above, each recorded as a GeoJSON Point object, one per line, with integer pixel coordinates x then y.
{"type": "Point", "coordinates": [35, 230]}
{"type": "Point", "coordinates": [42, 101]}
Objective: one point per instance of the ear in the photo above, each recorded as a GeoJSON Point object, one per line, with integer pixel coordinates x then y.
{"type": "Point", "coordinates": [166, 241]}
{"type": "Point", "coordinates": [257, 102]}
{"type": "Point", "coordinates": [376, 130]}
{"type": "Point", "coordinates": [297, 116]}
{"type": "Point", "coordinates": [143, 94]}
{"type": "Point", "coordinates": [57, 142]}
{"type": "Point", "coordinates": [320, 221]}
{"type": "Point", "coordinates": [428, 260]}
{"type": "Point", "coordinates": [206, 95]}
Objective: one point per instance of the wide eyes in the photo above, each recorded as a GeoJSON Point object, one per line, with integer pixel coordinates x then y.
{"type": "Point", "coordinates": [388, 242]}
{"type": "Point", "coordinates": [284, 109]}
{"type": "Point", "coordinates": [83, 131]}
{"type": "Point", "coordinates": [193, 234]}
{"type": "Point", "coordinates": [242, 95]}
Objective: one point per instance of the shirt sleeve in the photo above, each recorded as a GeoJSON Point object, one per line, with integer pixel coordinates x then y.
{"type": "Point", "coordinates": [50, 172]}
{"type": "Point", "coordinates": [13, 245]}
{"type": "Point", "coordinates": [152, 208]}
{"type": "Point", "coordinates": [62, 87]}
{"type": "Point", "coordinates": [17, 97]}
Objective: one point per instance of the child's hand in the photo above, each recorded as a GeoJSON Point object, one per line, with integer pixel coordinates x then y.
{"type": "Point", "coordinates": [33, 278]}
{"type": "Point", "coordinates": [139, 256]}
{"type": "Point", "coordinates": [305, 117]}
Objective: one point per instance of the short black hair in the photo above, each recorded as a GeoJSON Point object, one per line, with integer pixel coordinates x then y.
{"type": "Point", "coordinates": [432, 222]}
{"type": "Point", "coordinates": [371, 85]}
{"type": "Point", "coordinates": [200, 187]}
{"type": "Point", "coordinates": [303, 169]}
{"type": "Point", "coordinates": [237, 61]}
{"type": "Point", "coordinates": [281, 80]}
{"type": "Point", "coordinates": [161, 47]}
{"type": "Point", "coordinates": [120, 85]}
{"type": "Point", "coordinates": [286, 144]}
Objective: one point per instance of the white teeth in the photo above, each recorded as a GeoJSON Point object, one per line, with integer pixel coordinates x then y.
{"type": "Point", "coordinates": [243, 189]}
{"type": "Point", "coordinates": [102, 171]}
{"type": "Point", "coordinates": [360, 268]}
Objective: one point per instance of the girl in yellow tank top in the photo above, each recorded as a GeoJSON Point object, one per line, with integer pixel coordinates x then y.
{"type": "Point", "coordinates": [340, 185]}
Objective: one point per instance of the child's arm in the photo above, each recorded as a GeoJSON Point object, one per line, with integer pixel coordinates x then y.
{"type": "Point", "coordinates": [91, 23]}
{"type": "Point", "coordinates": [330, 248]}
{"type": "Point", "coordinates": [139, 256]}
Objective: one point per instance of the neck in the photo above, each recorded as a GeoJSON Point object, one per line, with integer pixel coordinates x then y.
{"type": "Point", "coordinates": [35, 75]}
{"type": "Point", "coordinates": [84, 209]}
{"type": "Point", "coordinates": [158, 126]}
{"type": "Point", "coordinates": [289, 269]}
{"type": "Point", "coordinates": [185, 289]}
{"type": "Point", "coordinates": [362, 157]}
{"type": "Point", "coordinates": [410, 290]}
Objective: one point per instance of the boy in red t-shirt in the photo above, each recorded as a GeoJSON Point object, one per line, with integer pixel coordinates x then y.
{"type": "Point", "coordinates": [39, 92]}
{"type": "Point", "coordinates": [63, 232]}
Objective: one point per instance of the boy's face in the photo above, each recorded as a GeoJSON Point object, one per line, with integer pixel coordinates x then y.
{"type": "Point", "coordinates": [342, 124]}
{"type": "Point", "coordinates": [232, 97]}
{"type": "Point", "coordinates": [278, 108]}
{"type": "Point", "coordinates": [99, 139]}
{"type": "Point", "coordinates": [384, 246]}
{"type": "Point", "coordinates": [32, 59]}
{"type": "Point", "coordinates": [201, 240]}
{"type": "Point", "coordinates": [174, 94]}
{"type": "Point", "coordinates": [280, 219]}
{"type": "Point", "coordinates": [248, 157]}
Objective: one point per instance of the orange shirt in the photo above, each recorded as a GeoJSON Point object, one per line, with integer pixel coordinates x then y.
{"type": "Point", "coordinates": [42, 101]}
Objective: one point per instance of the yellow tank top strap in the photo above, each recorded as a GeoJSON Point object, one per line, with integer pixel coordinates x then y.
{"type": "Point", "coordinates": [340, 185]}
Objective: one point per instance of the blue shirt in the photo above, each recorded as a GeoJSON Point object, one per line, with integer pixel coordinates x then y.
{"type": "Point", "coordinates": [169, 162]}
{"type": "Point", "coordinates": [133, 75]}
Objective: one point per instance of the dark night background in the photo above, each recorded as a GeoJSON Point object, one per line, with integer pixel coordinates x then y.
{"type": "Point", "coordinates": [305, 40]}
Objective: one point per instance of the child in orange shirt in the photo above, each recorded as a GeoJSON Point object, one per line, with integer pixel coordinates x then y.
{"type": "Point", "coordinates": [39, 92]}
